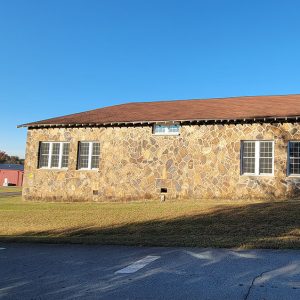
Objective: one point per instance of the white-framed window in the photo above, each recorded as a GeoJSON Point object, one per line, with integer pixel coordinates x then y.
{"type": "Point", "coordinates": [166, 129]}
{"type": "Point", "coordinates": [293, 158]}
{"type": "Point", "coordinates": [54, 155]}
{"type": "Point", "coordinates": [257, 158]}
{"type": "Point", "coordinates": [88, 155]}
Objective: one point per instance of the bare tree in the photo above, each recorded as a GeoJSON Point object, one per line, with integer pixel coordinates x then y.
{"type": "Point", "coordinates": [3, 156]}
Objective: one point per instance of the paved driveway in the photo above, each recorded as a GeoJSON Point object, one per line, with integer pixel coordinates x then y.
{"type": "Point", "coordinates": [41, 271]}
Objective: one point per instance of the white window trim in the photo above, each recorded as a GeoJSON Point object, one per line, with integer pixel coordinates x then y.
{"type": "Point", "coordinates": [257, 156]}
{"type": "Point", "coordinates": [50, 156]}
{"type": "Point", "coordinates": [289, 174]}
{"type": "Point", "coordinates": [168, 132]}
{"type": "Point", "coordinates": [89, 168]}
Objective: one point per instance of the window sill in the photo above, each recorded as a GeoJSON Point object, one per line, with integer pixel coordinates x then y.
{"type": "Point", "coordinates": [166, 134]}
{"type": "Point", "coordinates": [53, 169]}
{"type": "Point", "coordinates": [257, 175]}
{"type": "Point", "coordinates": [89, 170]}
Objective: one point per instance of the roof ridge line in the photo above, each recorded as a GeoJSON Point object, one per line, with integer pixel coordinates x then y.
{"type": "Point", "coordinates": [215, 98]}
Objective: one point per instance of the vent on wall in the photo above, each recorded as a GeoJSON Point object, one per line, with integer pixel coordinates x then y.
{"type": "Point", "coordinates": [95, 192]}
{"type": "Point", "coordinates": [163, 190]}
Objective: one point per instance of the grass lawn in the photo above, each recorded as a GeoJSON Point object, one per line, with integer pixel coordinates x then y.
{"type": "Point", "coordinates": [179, 223]}
{"type": "Point", "coordinates": [10, 189]}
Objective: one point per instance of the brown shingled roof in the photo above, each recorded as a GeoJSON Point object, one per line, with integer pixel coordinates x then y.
{"type": "Point", "coordinates": [237, 108]}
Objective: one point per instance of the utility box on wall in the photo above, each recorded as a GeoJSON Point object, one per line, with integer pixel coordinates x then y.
{"type": "Point", "coordinates": [11, 174]}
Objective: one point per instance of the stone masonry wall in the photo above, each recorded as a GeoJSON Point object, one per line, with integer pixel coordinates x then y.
{"type": "Point", "coordinates": [202, 162]}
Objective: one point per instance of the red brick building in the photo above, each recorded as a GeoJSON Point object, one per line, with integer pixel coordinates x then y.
{"type": "Point", "coordinates": [12, 174]}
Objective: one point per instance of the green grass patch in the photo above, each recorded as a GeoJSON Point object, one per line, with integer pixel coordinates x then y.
{"type": "Point", "coordinates": [10, 189]}
{"type": "Point", "coordinates": [178, 223]}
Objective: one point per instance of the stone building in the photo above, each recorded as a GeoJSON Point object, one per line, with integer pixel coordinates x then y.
{"type": "Point", "coordinates": [233, 148]}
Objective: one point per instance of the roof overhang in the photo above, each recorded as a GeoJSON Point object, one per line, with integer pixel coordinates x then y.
{"type": "Point", "coordinates": [148, 123]}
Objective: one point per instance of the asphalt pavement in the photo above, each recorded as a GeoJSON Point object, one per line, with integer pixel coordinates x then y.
{"type": "Point", "coordinates": [42, 271]}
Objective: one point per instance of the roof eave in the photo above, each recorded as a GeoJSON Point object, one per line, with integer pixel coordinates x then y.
{"type": "Point", "coordinates": [104, 124]}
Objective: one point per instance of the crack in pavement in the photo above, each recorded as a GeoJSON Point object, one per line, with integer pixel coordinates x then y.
{"type": "Point", "coordinates": [253, 281]}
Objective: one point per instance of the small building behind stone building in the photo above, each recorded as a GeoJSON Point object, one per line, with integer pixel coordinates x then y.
{"type": "Point", "coordinates": [230, 148]}
{"type": "Point", "coordinates": [11, 174]}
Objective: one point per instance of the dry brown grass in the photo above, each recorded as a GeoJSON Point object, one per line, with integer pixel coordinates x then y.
{"type": "Point", "coordinates": [179, 223]}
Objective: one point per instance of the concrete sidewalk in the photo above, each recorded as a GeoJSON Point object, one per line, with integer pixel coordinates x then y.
{"type": "Point", "coordinates": [41, 271]}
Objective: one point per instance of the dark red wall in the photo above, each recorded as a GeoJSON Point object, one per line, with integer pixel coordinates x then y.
{"type": "Point", "coordinates": [14, 177]}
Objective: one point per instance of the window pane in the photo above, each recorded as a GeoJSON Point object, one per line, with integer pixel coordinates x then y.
{"type": "Point", "coordinates": [248, 162]}
{"type": "Point", "coordinates": [294, 148]}
{"type": "Point", "coordinates": [265, 165]}
{"type": "Point", "coordinates": [65, 155]}
{"type": "Point", "coordinates": [84, 148]}
{"type": "Point", "coordinates": [44, 155]}
{"type": "Point", "coordinates": [55, 148]}
{"type": "Point", "coordinates": [249, 149]}
{"type": "Point", "coordinates": [45, 148]}
{"type": "Point", "coordinates": [294, 158]}
{"type": "Point", "coordinates": [83, 159]}
{"type": "Point", "coordinates": [266, 157]}
{"type": "Point", "coordinates": [174, 128]}
{"type": "Point", "coordinates": [95, 156]}
{"type": "Point", "coordinates": [55, 155]}
{"type": "Point", "coordinates": [249, 165]}
{"type": "Point", "coordinates": [96, 149]}
{"type": "Point", "coordinates": [161, 129]}
{"type": "Point", "coordinates": [95, 162]}
{"type": "Point", "coordinates": [294, 166]}
{"type": "Point", "coordinates": [66, 147]}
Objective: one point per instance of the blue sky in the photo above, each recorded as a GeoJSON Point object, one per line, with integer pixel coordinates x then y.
{"type": "Point", "coordinates": [59, 56]}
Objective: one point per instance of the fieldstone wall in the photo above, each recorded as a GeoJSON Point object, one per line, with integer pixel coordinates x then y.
{"type": "Point", "coordinates": [202, 162]}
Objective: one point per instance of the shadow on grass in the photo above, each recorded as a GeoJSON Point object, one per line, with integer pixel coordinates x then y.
{"type": "Point", "coordinates": [10, 194]}
{"type": "Point", "coordinates": [257, 225]}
